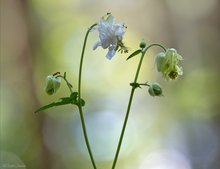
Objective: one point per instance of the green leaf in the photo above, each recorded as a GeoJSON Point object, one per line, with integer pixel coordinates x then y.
{"type": "Point", "coordinates": [45, 107]}
{"type": "Point", "coordinates": [134, 53]}
{"type": "Point", "coordinates": [64, 101]}
{"type": "Point", "coordinates": [82, 102]}
{"type": "Point", "coordinates": [74, 95]}
{"type": "Point", "coordinates": [73, 99]}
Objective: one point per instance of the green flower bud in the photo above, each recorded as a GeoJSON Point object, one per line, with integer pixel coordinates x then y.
{"type": "Point", "coordinates": [142, 44]}
{"type": "Point", "coordinates": [52, 84]}
{"type": "Point", "coordinates": [155, 90]}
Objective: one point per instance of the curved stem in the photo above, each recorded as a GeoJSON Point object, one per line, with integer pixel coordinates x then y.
{"type": "Point", "coordinates": [155, 44]}
{"type": "Point", "coordinates": [130, 101]}
{"type": "Point", "coordinates": [81, 60]}
{"type": "Point", "coordinates": [86, 137]}
{"type": "Point", "coordinates": [67, 82]}
{"type": "Point", "coordinates": [80, 105]}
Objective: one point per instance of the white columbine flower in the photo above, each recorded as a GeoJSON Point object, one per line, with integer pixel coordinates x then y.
{"type": "Point", "coordinates": [111, 35]}
{"type": "Point", "coordinates": [167, 64]}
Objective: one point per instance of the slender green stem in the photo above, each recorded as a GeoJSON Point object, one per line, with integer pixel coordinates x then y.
{"type": "Point", "coordinates": [86, 137]}
{"type": "Point", "coordinates": [80, 105]}
{"type": "Point", "coordinates": [67, 82]}
{"type": "Point", "coordinates": [155, 44]}
{"type": "Point", "coordinates": [127, 113]}
{"type": "Point", "coordinates": [130, 101]}
{"type": "Point", "coordinates": [143, 84]}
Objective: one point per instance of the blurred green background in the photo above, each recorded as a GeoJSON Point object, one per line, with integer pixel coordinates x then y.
{"type": "Point", "coordinates": [178, 131]}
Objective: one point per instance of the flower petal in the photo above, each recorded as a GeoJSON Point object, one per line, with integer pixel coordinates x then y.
{"type": "Point", "coordinates": [179, 70]}
{"type": "Point", "coordinates": [97, 44]}
{"type": "Point", "coordinates": [110, 19]}
{"type": "Point", "coordinates": [179, 57]}
{"type": "Point", "coordinates": [119, 29]}
{"type": "Point", "coordinates": [120, 32]}
{"type": "Point", "coordinates": [160, 60]}
{"type": "Point", "coordinates": [111, 52]}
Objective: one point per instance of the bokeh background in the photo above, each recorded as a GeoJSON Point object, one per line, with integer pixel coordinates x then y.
{"type": "Point", "coordinates": [177, 131]}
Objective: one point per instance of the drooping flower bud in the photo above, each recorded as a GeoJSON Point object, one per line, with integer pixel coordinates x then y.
{"type": "Point", "coordinates": [52, 84]}
{"type": "Point", "coordinates": [155, 90]}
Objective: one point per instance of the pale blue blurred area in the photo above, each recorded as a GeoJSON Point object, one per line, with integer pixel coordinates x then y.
{"type": "Point", "coordinates": [177, 131]}
{"type": "Point", "coordinates": [102, 128]}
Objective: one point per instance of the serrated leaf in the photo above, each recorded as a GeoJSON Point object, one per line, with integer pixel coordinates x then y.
{"type": "Point", "coordinates": [134, 54]}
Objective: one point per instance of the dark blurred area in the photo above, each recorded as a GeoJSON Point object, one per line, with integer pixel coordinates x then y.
{"type": "Point", "coordinates": [177, 131]}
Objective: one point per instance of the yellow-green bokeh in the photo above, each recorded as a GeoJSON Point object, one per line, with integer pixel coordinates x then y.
{"type": "Point", "coordinates": [177, 131]}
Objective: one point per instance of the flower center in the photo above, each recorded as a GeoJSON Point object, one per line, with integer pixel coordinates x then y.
{"type": "Point", "coordinates": [121, 47]}
{"type": "Point", "coordinates": [173, 75]}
